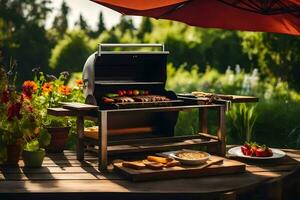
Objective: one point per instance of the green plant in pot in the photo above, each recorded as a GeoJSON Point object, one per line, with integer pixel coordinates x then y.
{"type": "Point", "coordinates": [11, 108]}
{"type": "Point", "coordinates": [58, 128]}
{"type": "Point", "coordinates": [35, 137]}
{"type": "Point", "coordinates": [33, 151]}
{"type": "Point", "coordinates": [50, 93]}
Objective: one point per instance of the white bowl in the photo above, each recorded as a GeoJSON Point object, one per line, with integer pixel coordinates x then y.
{"type": "Point", "coordinates": [191, 161]}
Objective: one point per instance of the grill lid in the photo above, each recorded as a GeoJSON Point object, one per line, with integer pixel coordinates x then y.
{"type": "Point", "coordinates": [131, 67]}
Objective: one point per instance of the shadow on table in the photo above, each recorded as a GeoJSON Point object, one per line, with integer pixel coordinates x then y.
{"type": "Point", "coordinates": [59, 159]}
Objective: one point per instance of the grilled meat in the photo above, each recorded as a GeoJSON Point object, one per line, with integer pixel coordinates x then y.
{"type": "Point", "coordinates": [150, 98]}
{"type": "Point", "coordinates": [123, 99]}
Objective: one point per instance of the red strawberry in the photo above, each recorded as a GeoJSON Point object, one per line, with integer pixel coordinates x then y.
{"type": "Point", "coordinates": [244, 149]}
{"type": "Point", "coordinates": [260, 152]}
{"type": "Point", "coordinates": [269, 152]}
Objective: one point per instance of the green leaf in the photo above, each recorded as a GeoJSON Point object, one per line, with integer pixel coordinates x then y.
{"type": "Point", "coordinates": [44, 138]}
{"type": "Point", "coordinates": [32, 145]}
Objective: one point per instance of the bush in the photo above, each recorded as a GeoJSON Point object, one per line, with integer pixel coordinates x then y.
{"type": "Point", "coordinates": [277, 112]}
{"type": "Point", "coordinates": [71, 52]}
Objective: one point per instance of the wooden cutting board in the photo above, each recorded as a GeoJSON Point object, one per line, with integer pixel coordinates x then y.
{"type": "Point", "coordinates": [223, 166]}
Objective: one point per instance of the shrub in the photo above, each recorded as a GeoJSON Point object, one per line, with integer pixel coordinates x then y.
{"type": "Point", "coordinates": [276, 114]}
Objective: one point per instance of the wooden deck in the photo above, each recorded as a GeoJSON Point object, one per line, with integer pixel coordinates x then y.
{"type": "Point", "coordinates": [63, 177]}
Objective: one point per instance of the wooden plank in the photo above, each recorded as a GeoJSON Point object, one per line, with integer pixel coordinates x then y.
{"type": "Point", "coordinates": [158, 147]}
{"type": "Point", "coordinates": [203, 185]}
{"type": "Point", "coordinates": [61, 112]}
{"type": "Point", "coordinates": [50, 170]}
{"type": "Point", "coordinates": [78, 106]}
{"type": "Point", "coordinates": [275, 168]}
{"type": "Point", "coordinates": [243, 99]}
{"type": "Point", "coordinates": [53, 176]}
{"type": "Point", "coordinates": [69, 157]}
{"type": "Point", "coordinates": [221, 131]}
{"type": "Point", "coordinates": [232, 98]}
{"type": "Point", "coordinates": [63, 174]}
{"type": "Point", "coordinates": [154, 139]}
{"type": "Point", "coordinates": [208, 136]}
{"type": "Point", "coordinates": [227, 167]}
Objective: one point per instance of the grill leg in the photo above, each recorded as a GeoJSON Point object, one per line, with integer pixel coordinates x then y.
{"type": "Point", "coordinates": [203, 120]}
{"type": "Point", "coordinates": [221, 131]}
{"type": "Point", "coordinates": [80, 143]}
{"type": "Point", "coordinates": [102, 141]}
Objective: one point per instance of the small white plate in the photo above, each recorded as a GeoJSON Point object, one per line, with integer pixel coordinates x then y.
{"type": "Point", "coordinates": [186, 161]}
{"type": "Point", "coordinates": [236, 151]}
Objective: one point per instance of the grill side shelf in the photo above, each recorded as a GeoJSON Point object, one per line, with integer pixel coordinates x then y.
{"type": "Point", "coordinates": [221, 98]}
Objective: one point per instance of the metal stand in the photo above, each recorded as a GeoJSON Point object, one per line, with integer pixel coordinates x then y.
{"type": "Point", "coordinates": [216, 143]}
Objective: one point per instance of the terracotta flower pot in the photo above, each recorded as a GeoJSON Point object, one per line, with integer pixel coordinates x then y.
{"type": "Point", "coordinates": [13, 154]}
{"type": "Point", "coordinates": [59, 137]}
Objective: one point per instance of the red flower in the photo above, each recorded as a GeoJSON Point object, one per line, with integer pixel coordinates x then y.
{"type": "Point", "coordinates": [5, 96]}
{"type": "Point", "coordinates": [29, 87]}
{"type": "Point", "coordinates": [14, 111]}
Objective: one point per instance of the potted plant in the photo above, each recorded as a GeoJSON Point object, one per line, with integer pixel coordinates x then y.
{"type": "Point", "coordinates": [35, 136]}
{"type": "Point", "coordinates": [58, 128]}
{"type": "Point", "coordinates": [11, 107]}
{"type": "Point", "coordinates": [50, 93]}
{"type": "Point", "coordinates": [33, 151]}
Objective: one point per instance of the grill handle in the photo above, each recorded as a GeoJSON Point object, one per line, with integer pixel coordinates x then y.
{"type": "Point", "coordinates": [101, 46]}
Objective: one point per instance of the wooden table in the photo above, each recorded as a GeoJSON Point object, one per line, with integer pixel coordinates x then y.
{"type": "Point", "coordinates": [64, 177]}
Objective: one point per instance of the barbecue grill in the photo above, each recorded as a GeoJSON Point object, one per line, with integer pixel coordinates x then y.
{"type": "Point", "coordinates": [143, 121]}
{"type": "Point", "coordinates": [139, 125]}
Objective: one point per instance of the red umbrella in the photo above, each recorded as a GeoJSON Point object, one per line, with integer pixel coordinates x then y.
{"type": "Point", "coordinates": [280, 16]}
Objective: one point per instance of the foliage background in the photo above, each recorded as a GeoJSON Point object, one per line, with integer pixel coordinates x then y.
{"type": "Point", "coordinates": [200, 59]}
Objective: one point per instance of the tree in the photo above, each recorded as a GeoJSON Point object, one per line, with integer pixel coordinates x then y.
{"type": "Point", "coordinates": [145, 27]}
{"type": "Point", "coordinates": [71, 52]}
{"type": "Point", "coordinates": [125, 24]}
{"type": "Point", "coordinates": [60, 23]}
{"type": "Point", "coordinates": [276, 54]}
{"type": "Point", "coordinates": [82, 24]}
{"type": "Point", "coordinates": [23, 35]}
{"type": "Point", "coordinates": [101, 25]}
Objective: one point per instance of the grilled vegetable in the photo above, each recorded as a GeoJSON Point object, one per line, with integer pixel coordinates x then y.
{"type": "Point", "coordinates": [129, 92]}
{"type": "Point", "coordinates": [141, 92]}
{"type": "Point", "coordinates": [107, 100]}
{"type": "Point", "coordinates": [111, 95]}
{"type": "Point", "coordinates": [146, 92]}
{"type": "Point", "coordinates": [135, 92]}
{"type": "Point", "coordinates": [120, 93]}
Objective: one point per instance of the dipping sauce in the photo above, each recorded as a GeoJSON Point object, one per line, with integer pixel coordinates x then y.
{"type": "Point", "coordinates": [191, 155]}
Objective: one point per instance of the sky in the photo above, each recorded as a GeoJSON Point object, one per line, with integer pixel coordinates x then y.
{"type": "Point", "coordinates": [90, 12]}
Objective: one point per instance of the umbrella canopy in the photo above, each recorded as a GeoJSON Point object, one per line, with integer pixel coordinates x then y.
{"type": "Point", "coordinates": [279, 16]}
